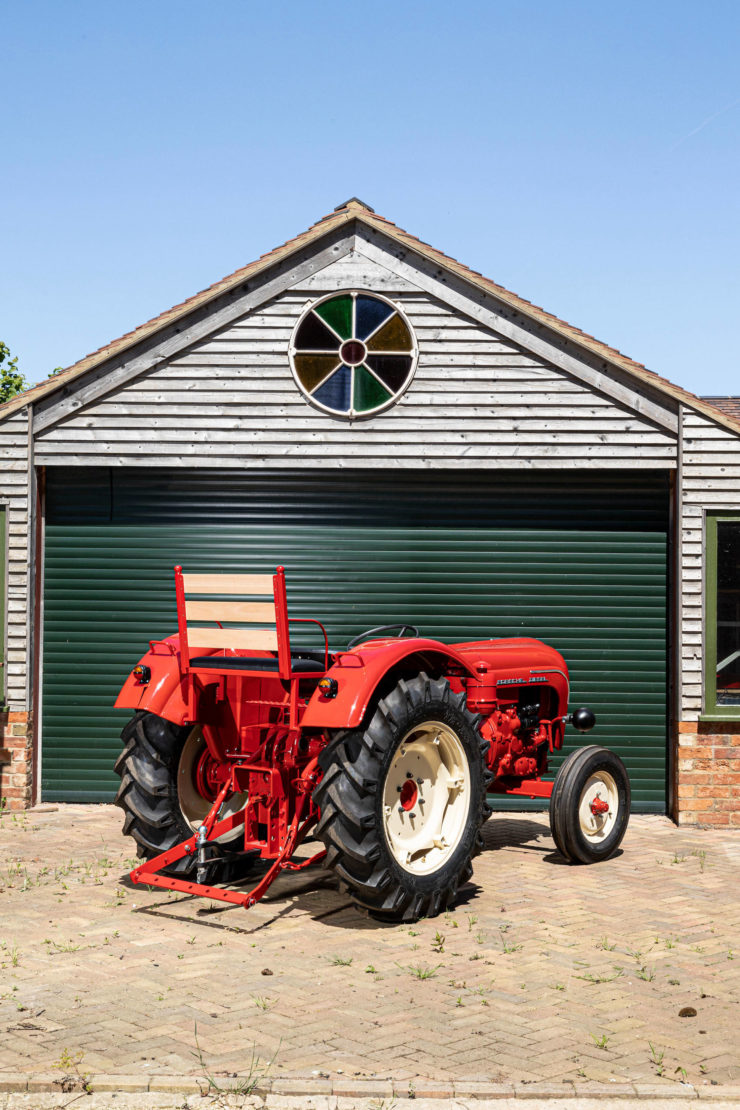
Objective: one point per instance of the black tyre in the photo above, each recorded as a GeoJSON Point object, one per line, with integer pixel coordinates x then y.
{"type": "Point", "coordinates": [159, 792]}
{"type": "Point", "coordinates": [590, 805]}
{"type": "Point", "coordinates": [402, 802]}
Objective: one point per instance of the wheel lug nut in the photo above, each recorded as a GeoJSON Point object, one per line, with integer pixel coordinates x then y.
{"type": "Point", "coordinates": [398, 788]}
{"type": "Point", "coordinates": [420, 782]}
{"type": "Point", "coordinates": [409, 774]}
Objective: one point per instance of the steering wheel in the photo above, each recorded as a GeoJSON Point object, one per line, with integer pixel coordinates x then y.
{"type": "Point", "coordinates": [371, 633]}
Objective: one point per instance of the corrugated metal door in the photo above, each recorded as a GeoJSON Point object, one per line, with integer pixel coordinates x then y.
{"type": "Point", "coordinates": [579, 561]}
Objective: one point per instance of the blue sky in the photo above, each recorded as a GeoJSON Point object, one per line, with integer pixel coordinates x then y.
{"type": "Point", "coordinates": [584, 155]}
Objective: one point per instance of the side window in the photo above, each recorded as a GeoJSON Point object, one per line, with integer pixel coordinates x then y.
{"type": "Point", "coordinates": [722, 633]}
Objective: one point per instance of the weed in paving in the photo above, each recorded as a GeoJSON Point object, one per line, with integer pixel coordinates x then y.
{"type": "Point", "coordinates": [73, 1078]}
{"type": "Point", "coordinates": [257, 1070]}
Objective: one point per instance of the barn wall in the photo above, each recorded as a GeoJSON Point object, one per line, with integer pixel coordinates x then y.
{"type": "Point", "coordinates": [15, 722]}
{"type": "Point", "coordinates": [14, 494]}
{"type": "Point", "coordinates": [709, 751]}
{"type": "Point", "coordinates": [476, 399]}
{"type": "Point", "coordinates": [711, 480]}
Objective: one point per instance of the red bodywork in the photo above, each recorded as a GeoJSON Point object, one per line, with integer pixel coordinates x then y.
{"type": "Point", "coordinates": [264, 731]}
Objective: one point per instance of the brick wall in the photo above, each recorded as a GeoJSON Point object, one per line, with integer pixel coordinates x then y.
{"type": "Point", "coordinates": [15, 777]}
{"type": "Point", "coordinates": [709, 773]}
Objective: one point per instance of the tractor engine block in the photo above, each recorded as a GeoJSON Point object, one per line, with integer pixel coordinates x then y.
{"type": "Point", "coordinates": [518, 740]}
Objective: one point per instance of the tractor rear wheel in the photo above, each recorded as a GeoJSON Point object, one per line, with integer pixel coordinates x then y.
{"type": "Point", "coordinates": [402, 802]}
{"type": "Point", "coordinates": [590, 805]}
{"type": "Point", "coordinates": [165, 792]}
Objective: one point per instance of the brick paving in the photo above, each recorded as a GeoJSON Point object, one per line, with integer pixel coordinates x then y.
{"type": "Point", "coordinates": [565, 977]}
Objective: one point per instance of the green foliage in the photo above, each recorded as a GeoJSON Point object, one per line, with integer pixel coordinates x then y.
{"type": "Point", "coordinates": [11, 379]}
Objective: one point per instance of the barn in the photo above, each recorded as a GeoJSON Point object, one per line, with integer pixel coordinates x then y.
{"type": "Point", "coordinates": [413, 442]}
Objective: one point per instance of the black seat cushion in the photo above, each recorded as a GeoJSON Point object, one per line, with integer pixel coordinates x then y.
{"type": "Point", "coordinates": [298, 663]}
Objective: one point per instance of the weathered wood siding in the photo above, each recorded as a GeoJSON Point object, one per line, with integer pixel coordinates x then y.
{"type": "Point", "coordinates": [14, 494]}
{"type": "Point", "coordinates": [476, 399]}
{"type": "Point", "coordinates": [710, 480]}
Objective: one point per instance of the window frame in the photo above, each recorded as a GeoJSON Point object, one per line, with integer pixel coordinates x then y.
{"type": "Point", "coordinates": [712, 711]}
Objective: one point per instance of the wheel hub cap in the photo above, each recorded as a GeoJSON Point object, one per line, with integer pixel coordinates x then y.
{"type": "Point", "coordinates": [599, 806]}
{"type": "Point", "coordinates": [426, 797]}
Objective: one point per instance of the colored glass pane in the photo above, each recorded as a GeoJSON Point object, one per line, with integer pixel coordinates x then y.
{"type": "Point", "coordinates": [353, 352]}
{"type": "Point", "coordinates": [369, 393]}
{"type": "Point", "coordinates": [369, 315]}
{"type": "Point", "coordinates": [393, 336]}
{"type": "Point", "coordinates": [338, 314]}
{"type": "Point", "coordinates": [315, 336]}
{"type": "Point", "coordinates": [312, 369]}
{"type": "Point", "coordinates": [335, 392]}
{"type": "Point", "coordinates": [392, 369]}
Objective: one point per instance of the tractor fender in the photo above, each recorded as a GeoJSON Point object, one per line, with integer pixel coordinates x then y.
{"type": "Point", "coordinates": [358, 673]}
{"type": "Point", "coordinates": [164, 693]}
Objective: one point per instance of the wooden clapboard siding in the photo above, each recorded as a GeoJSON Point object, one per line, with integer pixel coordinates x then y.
{"type": "Point", "coordinates": [14, 495]}
{"type": "Point", "coordinates": [710, 480]}
{"type": "Point", "coordinates": [230, 400]}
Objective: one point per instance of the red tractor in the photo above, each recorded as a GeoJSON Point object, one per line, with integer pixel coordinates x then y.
{"type": "Point", "coordinates": [242, 743]}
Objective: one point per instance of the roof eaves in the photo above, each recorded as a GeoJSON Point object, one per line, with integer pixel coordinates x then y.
{"type": "Point", "coordinates": [171, 315]}
{"type": "Point", "coordinates": [357, 210]}
{"type": "Point", "coordinates": [583, 339]}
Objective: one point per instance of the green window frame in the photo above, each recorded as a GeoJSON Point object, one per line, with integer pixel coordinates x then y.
{"type": "Point", "coordinates": [722, 617]}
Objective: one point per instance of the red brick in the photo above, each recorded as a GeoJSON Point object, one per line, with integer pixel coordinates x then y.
{"type": "Point", "coordinates": [726, 751]}
{"type": "Point", "coordinates": [714, 820]}
{"type": "Point", "coordinates": [701, 805]}
{"type": "Point", "coordinates": [728, 778]}
{"type": "Point", "coordinates": [16, 793]}
{"type": "Point", "coordinates": [700, 775]}
{"type": "Point", "coordinates": [713, 791]}
{"type": "Point", "coordinates": [686, 790]}
{"type": "Point", "coordinates": [696, 751]}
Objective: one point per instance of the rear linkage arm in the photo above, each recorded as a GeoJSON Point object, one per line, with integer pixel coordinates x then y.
{"type": "Point", "coordinates": [211, 829]}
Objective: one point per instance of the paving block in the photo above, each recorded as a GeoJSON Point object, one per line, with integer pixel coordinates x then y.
{"type": "Point", "coordinates": [543, 1090]}
{"type": "Point", "coordinates": [127, 1083]}
{"type": "Point", "coordinates": [346, 1087]}
{"type": "Point", "coordinates": [604, 1090]}
{"type": "Point", "coordinates": [13, 1081]}
{"type": "Point", "coordinates": [482, 1089]}
{"type": "Point", "coordinates": [307, 1087]}
{"type": "Point", "coordinates": [657, 1091]}
{"type": "Point", "coordinates": [179, 1085]}
{"type": "Point", "coordinates": [45, 1081]}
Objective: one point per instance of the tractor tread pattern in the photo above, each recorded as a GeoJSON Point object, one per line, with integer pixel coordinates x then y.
{"type": "Point", "coordinates": [148, 791]}
{"type": "Point", "coordinates": [346, 796]}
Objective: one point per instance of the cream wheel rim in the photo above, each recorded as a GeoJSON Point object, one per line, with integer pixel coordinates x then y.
{"type": "Point", "coordinates": [426, 798]}
{"type": "Point", "coordinates": [595, 821]}
{"type": "Point", "coordinates": [193, 806]}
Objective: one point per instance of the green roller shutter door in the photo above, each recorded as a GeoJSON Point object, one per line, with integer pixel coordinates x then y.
{"type": "Point", "coordinates": [579, 561]}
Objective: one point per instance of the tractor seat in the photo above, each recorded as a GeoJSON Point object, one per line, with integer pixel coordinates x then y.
{"type": "Point", "coordinates": [308, 662]}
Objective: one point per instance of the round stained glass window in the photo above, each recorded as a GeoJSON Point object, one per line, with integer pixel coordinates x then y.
{"type": "Point", "coordinates": [353, 354]}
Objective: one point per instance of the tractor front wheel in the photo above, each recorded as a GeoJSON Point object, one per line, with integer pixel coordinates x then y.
{"type": "Point", "coordinates": [402, 802]}
{"type": "Point", "coordinates": [590, 805]}
{"type": "Point", "coordinates": [167, 787]}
